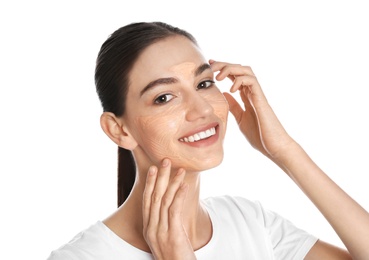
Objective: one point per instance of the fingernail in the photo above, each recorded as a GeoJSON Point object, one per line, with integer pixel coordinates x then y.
{"type": "Point", "coordinates": [165, 162]}
{"type": "Point", "coordinates": [152, 170]}
{"type": "Point", "coordinates": [180, 171]}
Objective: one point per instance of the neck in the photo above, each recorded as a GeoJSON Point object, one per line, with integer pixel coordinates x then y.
{"type": "Point", "coordinates": [127, 222]}
{"type": "Point", "coordinates": [193, 211]}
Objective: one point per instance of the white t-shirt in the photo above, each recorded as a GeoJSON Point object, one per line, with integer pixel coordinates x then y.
{"type": "Point", "coordinates": [242, 229]}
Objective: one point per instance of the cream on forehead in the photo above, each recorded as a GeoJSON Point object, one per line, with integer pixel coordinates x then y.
{"type": "Point", "coordinates": [186, 69]}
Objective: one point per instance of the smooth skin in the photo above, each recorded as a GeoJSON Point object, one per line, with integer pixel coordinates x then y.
{"type": "Point", "coordinates": [172, 223]}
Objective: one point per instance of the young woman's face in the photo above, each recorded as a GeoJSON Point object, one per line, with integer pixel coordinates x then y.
{"type": "Point", "coordinates": [173, 107]}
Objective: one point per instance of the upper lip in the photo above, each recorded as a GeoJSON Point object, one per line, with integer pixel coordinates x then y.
{"type": "Point", "coordinates": [200, 129]}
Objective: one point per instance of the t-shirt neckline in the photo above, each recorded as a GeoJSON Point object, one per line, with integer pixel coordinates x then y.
{"type": "Point", "coordinates": [200, 251]}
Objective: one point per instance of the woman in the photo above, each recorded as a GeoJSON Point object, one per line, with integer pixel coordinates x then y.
{"type": "Point", "coordinates": [163, 110]}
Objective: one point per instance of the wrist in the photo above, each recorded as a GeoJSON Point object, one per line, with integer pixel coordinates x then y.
{"type": "Point", "coordinates": [287, 155]}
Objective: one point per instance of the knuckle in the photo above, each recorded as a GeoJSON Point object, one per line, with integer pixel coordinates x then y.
{"type": "Point", "coordinates": [156, 197]}
{"type": "Point", "coordinates": [174, 211]}
{"type": "Point", "coordinates": [166, 201]}
{"type": "Point", "coordinates": [253, 78]}
{"type": "Point", "coordinates": [150, 236]}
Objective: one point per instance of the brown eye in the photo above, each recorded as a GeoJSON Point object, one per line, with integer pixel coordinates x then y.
{"type": "Point", "coordinates": [163, 99]}
{"type": "Point", "coordinates": [205, 84]}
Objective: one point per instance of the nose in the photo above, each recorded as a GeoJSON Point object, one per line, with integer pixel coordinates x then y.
{"type": "Point", "coordinates": [198, 107]}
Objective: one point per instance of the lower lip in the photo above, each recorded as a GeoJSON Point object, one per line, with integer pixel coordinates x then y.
{"type": "Point", "coordinates": [205, 142]}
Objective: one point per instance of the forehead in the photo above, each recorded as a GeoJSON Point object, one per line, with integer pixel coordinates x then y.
{"type": "Point", "coordinates": [165, 58]}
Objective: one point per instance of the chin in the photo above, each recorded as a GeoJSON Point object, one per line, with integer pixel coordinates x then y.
{"type": "Point", "coordinates": [199, 165]}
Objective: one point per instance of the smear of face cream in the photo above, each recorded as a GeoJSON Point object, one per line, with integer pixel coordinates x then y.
{"type": "Point", "coordinates": [159, 138]}
{"type": "Point", "coordinates": [158, 133]}
{"type": "Point", "coordinates": [185, 69]}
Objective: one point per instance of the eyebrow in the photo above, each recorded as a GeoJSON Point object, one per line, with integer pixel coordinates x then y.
{"type": "Point", "coordinates": [171, 80]}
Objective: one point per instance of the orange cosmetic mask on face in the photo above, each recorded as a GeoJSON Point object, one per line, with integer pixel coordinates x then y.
{"type": "Point", "coordinates": [160, 129]}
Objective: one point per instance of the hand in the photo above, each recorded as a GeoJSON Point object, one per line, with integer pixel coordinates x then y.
{"type": "Point", "coordinates": [257, 120]}
{"type": "Point", "coordinates": [163, 201]}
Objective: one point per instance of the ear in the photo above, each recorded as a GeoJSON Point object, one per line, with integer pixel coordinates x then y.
{"type": "Point", "coordinates": [115, 129]}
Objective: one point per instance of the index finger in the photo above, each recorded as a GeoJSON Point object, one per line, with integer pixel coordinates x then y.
{"type": "Point", "coordinates": [231, 71]}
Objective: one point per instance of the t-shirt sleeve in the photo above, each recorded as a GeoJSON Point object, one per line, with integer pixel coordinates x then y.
{"type": "Point", "coordinates": [288, 241]}
{"type": "Point", "coordinates": [263, 229]}
{"type": "Point", "coordinates": [63, 255]}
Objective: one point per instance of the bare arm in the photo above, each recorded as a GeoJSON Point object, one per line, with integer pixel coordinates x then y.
{"type": "Point", "coordinates": [265, 133]}
{"type": "Point", "coordinates": [349, 220]}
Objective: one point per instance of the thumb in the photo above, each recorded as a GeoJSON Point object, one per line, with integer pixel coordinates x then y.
{"type": "Point", "coordinates": [234, 107]}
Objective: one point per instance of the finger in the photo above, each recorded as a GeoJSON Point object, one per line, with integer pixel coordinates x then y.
{"type": "Point", "coordinates": [160, 188]}
{"type": "Point", "coordinates": [169, 196]}
{"type": "Point", "coordinates": [176, 209]}
{"type": "Point", "coordinates": [239, 75]}
{"type": "Point", "coordinates": [241, 81]}
{"type": "Point", "coordinates": [234, 71]}
{"type": "Point", "coordinates": [250, 90]}
{"type": "Point", "coordinates": [218, 65]}
{"type": "Point", "coordinates": [229, 70]}
{"type": "Point", "coordinates": [234, 107]}
{"type": "Point", "coordinates": [149, 188]}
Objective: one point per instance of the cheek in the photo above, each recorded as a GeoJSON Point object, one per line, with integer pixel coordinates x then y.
{"type": "Point", "coordinates": [157, 135]}
{"type": "Point", "coordinates": [220, 106]}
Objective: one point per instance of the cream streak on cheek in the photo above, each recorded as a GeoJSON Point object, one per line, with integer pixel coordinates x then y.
{"type": "Point", "coordinates": [158, 135]}
{"type": "Point", "coordinates": [159, 139]}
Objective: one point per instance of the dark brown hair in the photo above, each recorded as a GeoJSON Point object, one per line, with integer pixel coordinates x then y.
{"type": "Point", "coordinates": [114, 62]}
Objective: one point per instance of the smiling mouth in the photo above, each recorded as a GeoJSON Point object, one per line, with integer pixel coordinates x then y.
{"type": "Point", "coordinates": [199, 136]}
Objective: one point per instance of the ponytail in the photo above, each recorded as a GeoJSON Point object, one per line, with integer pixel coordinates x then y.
{"type": "Point", "coordinates": [126, 174]}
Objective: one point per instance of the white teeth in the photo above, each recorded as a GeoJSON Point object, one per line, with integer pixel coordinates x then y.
{"type": "Point", "coordinates": [202, 135]}
{"type": "Point", "coordinates": [199, 136]}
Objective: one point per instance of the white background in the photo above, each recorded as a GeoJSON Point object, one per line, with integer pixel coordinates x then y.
{"type": "Point", "coordinates": [58, 169]}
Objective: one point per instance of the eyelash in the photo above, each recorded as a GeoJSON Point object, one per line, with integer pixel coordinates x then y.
{"type": "Point", "coordinates": [209, 82]}
{"type": "Point", "coordinates": [159, 100]}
